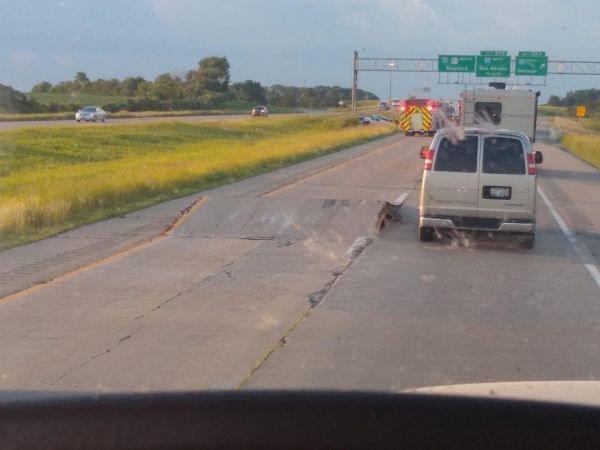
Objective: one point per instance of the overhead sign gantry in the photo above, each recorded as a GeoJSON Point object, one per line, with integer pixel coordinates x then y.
{"type": "Point", "coordinates": [527, 68]}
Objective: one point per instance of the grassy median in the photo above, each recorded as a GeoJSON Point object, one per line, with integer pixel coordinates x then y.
{"type": "Point", "coordinates": [57, 178]}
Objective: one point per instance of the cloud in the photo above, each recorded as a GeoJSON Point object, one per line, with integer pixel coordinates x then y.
{"type": "Point", "coordinates": [22, 59]}
{"type": "Point", "coordinates": [65, 60]}
{"type": "Point", "coordinates": [278, 41]}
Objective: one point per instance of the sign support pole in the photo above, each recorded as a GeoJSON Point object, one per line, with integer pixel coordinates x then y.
{"type": "Point", "coordinates": [354, 80]}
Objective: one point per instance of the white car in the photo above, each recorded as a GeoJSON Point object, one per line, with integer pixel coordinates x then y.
{"type": "Point", "coordinates": [485, 181]}
{"type": "Point", "coordinates": [91, 114]}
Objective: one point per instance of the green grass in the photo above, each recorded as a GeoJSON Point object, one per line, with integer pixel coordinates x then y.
{"type": "Point", "coordinates": [592, 124]}
{"type": "Point", "coordinates": [546, 110]}
{"type": "Point", "coordinates": [11, 117]}
{"type": "Point", "coordinates": [84, 99]}
{"type": "Point", "coordinates": [56, 178]}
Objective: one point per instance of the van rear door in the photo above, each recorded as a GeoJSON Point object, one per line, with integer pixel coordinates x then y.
{"type": "Point", "coordinates": [453, 184]}
{"type": "Point", "coordinates": [503, 181]}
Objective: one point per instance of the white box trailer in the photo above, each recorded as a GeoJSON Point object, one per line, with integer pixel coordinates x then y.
{"type": "Point", "coordinates": [499, 108]}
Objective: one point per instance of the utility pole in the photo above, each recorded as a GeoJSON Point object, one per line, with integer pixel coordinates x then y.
{"type": "Point", "coordinates": [391, 66]}
{"type": "Point", "coordinates": [354, 80]}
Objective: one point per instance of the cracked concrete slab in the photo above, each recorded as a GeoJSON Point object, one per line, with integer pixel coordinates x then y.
{"type": "Point", "coordinates": [277, 217]}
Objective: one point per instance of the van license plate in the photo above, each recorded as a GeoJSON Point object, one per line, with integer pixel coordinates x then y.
{"type": "Point", "coordinates": [499, 192]}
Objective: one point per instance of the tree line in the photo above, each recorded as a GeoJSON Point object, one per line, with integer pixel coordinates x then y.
{"type": "Point", "coordinates": [587, 97]}
{"type": "Point", "coordinates": [206, 86]}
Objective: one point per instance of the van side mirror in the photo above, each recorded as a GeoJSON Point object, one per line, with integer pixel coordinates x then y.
{"type": "Point", "coordinates": [539, 157]}
{"type": "Point", "coordinates": [423, 152]}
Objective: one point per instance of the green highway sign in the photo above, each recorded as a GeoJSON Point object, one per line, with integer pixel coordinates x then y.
{"type": "Point", "coordinates": [532, 53]}
{"type": "Point", "coordinates": [536, 65]}
{"type": "Point", "coordinates": [456, 63]}
{"type": "Point", "coordinates": [492, 66]}
{"type": "Point", "coordinates": [493, 53]}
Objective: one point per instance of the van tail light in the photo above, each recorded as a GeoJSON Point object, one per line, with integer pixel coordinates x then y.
{"type": "Point", "coordinates": [429, 159]}
{"type": "Point", "coordinates": [531, 170]}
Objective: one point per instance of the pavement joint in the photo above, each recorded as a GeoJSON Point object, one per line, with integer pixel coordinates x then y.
{"type": "Point", "coordinates": [280, 343]}
{"type": "Point", "coordinates": [95, 356]}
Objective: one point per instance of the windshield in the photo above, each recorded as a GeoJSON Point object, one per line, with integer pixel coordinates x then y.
{"type": "Point", "coordinates": [238, 195]}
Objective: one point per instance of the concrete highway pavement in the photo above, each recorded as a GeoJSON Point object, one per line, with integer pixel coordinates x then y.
{"type": "Point", "coordinates": [290, 281]}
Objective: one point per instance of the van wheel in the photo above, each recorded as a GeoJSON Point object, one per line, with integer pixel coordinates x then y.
{"type": "Point", "coordinates": [426, 234]}
{"type": "Point", "coordinates": [527, 240]}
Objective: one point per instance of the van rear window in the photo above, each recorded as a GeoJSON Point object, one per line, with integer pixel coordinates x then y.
{"type": "Point", "coordinates": [503, 155]}
{"type": "Point", "coordinates": [488, 112]}
{"type": "Point", "coordinates": [459, 156]}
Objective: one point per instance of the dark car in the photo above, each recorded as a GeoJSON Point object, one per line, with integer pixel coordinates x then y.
{"type": "Point", "coordinates": [260, 111]}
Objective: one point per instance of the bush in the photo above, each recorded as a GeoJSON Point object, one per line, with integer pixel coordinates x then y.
{"type": "Point", "coordinates": [13, 101]}
{"type": "Point", "coordinates": [152, 104]}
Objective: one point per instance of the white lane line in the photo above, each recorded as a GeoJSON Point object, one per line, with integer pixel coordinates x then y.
{"type": "Point", "coordinates": [580, 248]}
{"type": "Point", "coordinates": [594, 272]}
{"type": "Point", "coordinates": [400, 199]}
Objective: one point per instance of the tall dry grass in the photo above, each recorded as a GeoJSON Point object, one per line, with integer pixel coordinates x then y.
{"type": "Point", "coordinates": [584, 145]}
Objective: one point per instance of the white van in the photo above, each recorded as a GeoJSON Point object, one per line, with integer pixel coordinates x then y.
{"type": "Point", "coordinates": [500, 109]}
{"type": "Point", "coordinates": [485, 181]}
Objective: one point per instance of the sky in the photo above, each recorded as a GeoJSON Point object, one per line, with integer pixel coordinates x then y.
{"type": "Point", "coordinates": [296, 42]}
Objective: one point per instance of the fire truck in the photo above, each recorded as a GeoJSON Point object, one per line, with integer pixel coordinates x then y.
{"type": "Point", "coordinates": [420, 116]}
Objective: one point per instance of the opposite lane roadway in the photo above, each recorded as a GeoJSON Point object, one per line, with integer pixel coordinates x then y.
{"type": "Point", "coordinates": [125, 121]}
